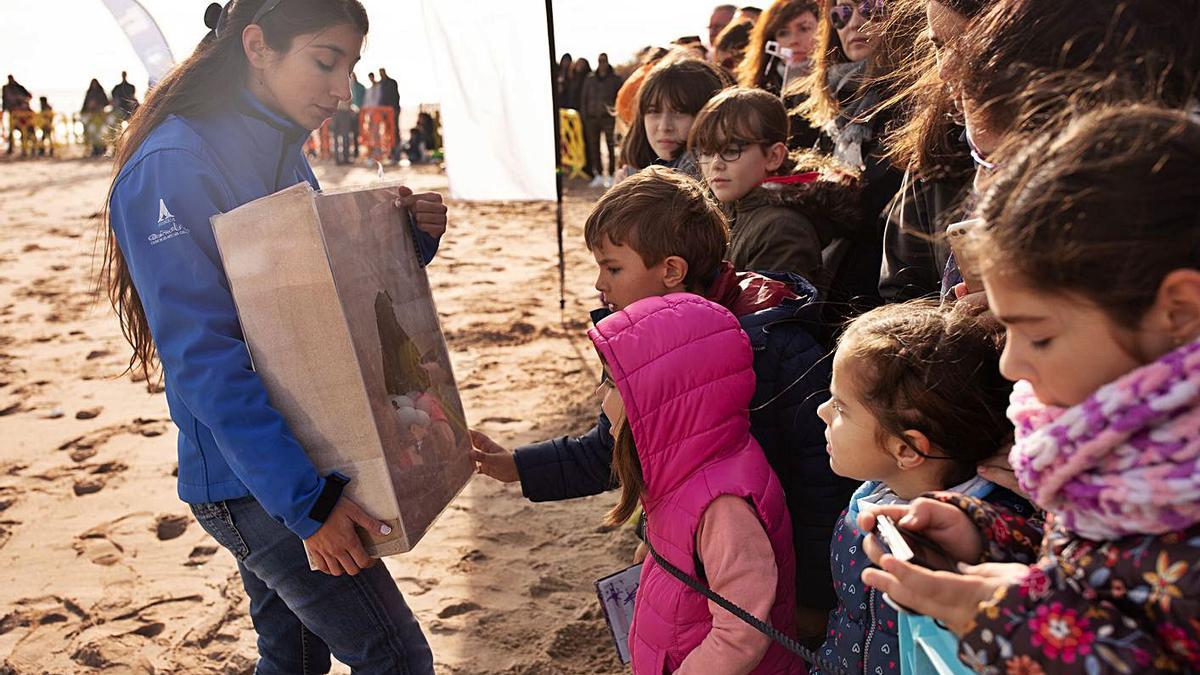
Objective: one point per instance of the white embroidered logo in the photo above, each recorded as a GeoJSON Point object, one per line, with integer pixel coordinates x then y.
{"type": "Point", "coordinates": [168, 227]}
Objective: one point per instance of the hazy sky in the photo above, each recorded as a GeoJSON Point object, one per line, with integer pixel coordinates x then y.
{"type": "Point", "coordinates": [55, 47]}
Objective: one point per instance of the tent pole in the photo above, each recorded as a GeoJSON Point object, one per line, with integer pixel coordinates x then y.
{"type": "Point", "coordinates": [558, 179]}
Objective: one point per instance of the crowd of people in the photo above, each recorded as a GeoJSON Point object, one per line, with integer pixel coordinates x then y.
{"type": "Point", "coordinates": [905, 206]}
{"type": "Point", "coordinates": [900, 335]}
{"type": "Point", "coordinates": [99, 115]}
{"type": "Point", "coordinates": [103, 114]}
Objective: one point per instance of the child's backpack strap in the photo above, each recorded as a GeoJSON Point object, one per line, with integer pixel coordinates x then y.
{"type": "Point", "coordinates": [765, 628]}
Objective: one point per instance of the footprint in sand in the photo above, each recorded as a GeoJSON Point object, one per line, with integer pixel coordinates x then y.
{"type": "Point", "coordinates": [98, 548]}
{"type": "Point", "coordinates": [99, 544]}
{"type": "Point", "coordinates": [84, 447]}
{"type": "Point", "coordinates": [458, 609]}
{"type": "Point", "coordinates": [545, 585]}
{"type": "Point", "coordinates": [8, 497]}
{"type": "Point", "coordinates": [170, 526]}
{"type": "Point", "coordinates": [200, 555]}
{"type": "Point", "coordinates": [582, 642]}
{"type": "Point", "coordinates": [414, 586]}
{"type": "Point", "coordinates": [6, 531]}
{"type": "Point", "coordinates": [98, 478]}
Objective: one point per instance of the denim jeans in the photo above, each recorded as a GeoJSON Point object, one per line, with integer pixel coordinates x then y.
{"type": "Point", "coordinates": [302, 616]}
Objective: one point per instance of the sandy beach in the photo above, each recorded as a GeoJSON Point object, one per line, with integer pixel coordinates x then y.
{"type": "Point", "coordinates": [102, 568]}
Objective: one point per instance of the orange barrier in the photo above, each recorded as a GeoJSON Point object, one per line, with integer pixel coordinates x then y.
{"type": "Point", "coordinates": [377, 131]}
{"type": "Point", "coordinates": [571, 149]}
{"type": "Point", "coordinates": [50, 130]}
{"type": "Point", "coordinates": [319, 144]}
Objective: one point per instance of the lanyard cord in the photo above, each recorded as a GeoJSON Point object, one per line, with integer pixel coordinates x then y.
{"type": "Point", "coordinates": [762, 627]}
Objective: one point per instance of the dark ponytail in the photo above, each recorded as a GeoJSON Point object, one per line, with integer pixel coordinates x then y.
{"type": "Point", "coordinates": [204, 83]}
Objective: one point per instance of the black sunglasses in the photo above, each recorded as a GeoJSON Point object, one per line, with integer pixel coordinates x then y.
{"type": "Point", "coordinates": [841, 15]}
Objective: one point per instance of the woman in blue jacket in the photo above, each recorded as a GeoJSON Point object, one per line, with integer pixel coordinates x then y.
{"type": "Point", "coordinates": [223, 128]}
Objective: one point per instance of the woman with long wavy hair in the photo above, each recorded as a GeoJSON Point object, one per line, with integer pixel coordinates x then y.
{"type": "Point", "coordinates": [226, 127]}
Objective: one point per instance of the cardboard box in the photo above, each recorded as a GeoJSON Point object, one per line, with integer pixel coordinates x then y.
{"type": "Point", "coordinates": [342, 328]}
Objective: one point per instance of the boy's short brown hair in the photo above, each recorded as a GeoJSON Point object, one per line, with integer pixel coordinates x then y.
{"type": "Point", "coordinates": [659, 212]}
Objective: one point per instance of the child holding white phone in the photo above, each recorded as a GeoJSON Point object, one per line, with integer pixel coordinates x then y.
{"type": "Point", "coordinates": [917, 403]}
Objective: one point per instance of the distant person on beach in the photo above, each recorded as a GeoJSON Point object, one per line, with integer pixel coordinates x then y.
{"type": "Point", "coordinates": [372, 97]}
{"type": "Point", "coordinates": [580, 70]}
{"type": "Point", "coordinates": [597, 100]}
{"type": "Point", "coordinates": [16, 99]}
{"type": "Point", "coordinates": [224, 128]}
{"type": "Point", "coordinates": [561, 76]}
{"type": "Point", "coordinates": [45, 128]}
{"type": "Point", "coordinates": [389, 97]}
{"type": "Point", "coordinates": [124, 99]}
{"type": "Point", "coordinates": [94, 115]}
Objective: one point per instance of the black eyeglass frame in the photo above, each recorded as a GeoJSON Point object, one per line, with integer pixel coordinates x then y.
{"type": "Point", "coordinates": [726, 154]}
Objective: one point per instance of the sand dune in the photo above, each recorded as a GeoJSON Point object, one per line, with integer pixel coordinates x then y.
{"type": "Point", "coordinates": [101, 566]}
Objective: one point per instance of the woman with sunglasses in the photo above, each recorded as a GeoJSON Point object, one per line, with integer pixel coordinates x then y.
{"type": "Point", "coordinates": [845, 96]}
{"type": "Point", "coordinates": [226, 127]}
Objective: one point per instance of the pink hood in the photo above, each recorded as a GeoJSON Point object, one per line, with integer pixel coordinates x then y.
{"type": "Point", "coordinates": [692, 369]}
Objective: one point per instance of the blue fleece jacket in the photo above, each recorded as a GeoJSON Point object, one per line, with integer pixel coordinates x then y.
{"type": "Point", "coordinates": [232, 442]}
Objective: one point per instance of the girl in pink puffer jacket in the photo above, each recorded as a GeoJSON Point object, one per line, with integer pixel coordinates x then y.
{"type": "Point", "coordinates": [679, 379]}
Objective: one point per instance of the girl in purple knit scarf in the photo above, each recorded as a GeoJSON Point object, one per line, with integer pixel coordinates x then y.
{"type": "Point", "coordinates": [1091, 259]}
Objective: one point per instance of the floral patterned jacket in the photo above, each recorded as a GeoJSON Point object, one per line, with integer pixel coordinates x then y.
{"type": "Point", "coordinates": [1125, 606]}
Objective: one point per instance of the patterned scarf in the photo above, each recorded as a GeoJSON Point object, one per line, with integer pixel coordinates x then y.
{"type": "Point", "coordinates": [1124, 462]}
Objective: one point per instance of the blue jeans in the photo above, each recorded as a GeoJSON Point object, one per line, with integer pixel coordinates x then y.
{"type": "Point", "coordinates": [302, 616]}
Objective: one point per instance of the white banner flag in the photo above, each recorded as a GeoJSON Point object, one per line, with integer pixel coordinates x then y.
{"type": "Point", "coordinates": [492, 65]}
{"type": "Point", "coordinates": [143, 33]}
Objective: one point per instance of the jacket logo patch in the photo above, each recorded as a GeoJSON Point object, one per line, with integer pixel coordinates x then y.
{"type": "Point", "coordinates": [168, 227]}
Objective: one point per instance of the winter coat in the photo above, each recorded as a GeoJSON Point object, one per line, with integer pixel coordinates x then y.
{"type": "Point", "coordinates": [914, 248]}
{"type": "Point", "coordinates": [688, 415]}
{"type": "Point", "coordinates": [856, 138]}
{"type": "Point", "coordinates": [785, 227]}
{"type": "Point", "coordinates": [1130, 605]}
{"type": "Point", "coordinates": [598, 95]}
{"type": "Point", "coordinates": [863, 633]}
{"type": "Point", "coordinates": [781, 316]}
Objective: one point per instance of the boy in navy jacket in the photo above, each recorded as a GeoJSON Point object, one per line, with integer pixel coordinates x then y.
{"type": "Point", "coordinates": [669, 237]}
